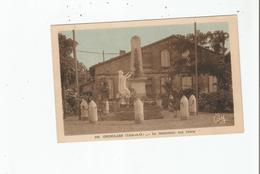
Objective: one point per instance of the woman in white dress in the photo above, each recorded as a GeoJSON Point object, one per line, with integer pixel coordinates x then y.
{"type": "Point", "coordinates": [84, 109]}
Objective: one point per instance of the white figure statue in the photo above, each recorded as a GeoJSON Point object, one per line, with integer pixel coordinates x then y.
{"type": "Point", "coordinates": [192, 105]}
{"type": "Point", "coordinates": [93, 116]}
{"type": "Point", "coordinates": [84, 109]}
{"type": "Point", "coordinates": [184, 108]}
{"type": "Point", "coordinates": [139, 111]}
{"type": "Point", "coordinates": [122, 88]}
{"type": "Point", "coordinates": [106, 107]}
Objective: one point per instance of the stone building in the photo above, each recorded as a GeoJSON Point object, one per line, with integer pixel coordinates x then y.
{"type": "Point", "coordinates": [157, 58]}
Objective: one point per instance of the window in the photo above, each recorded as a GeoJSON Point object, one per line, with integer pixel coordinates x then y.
{"type": "Point", "coordinates": [204, 83]}
{"type": "Point", "coordinates": [147, 59]}
{"type": "Point", "coordinates": [213, 83]}
{"type": "Point", "coordinates": [163, 81]}
{"type": "Point", "coordinates": [186, 82]}
{"type": "Point", "coordinates": [148, 88]}
{"type": "Point", "coordinates": [176, 82]}
{"type": "Point", "coordinates": [165, 58]}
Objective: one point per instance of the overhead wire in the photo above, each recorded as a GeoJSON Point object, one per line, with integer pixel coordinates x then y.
{"type": "Point", "coordinates": [95, 52]}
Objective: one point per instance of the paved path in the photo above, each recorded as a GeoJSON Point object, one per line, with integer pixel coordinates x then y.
{"type": "Point", "coordinates": [73, 126]}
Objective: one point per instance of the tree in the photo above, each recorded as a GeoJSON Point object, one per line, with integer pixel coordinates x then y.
{"type": "Point", "coordinates": [67, 63]}
{"type": "Point", "coordinates": [216, 66]}
{"type": "Point", "coordinates": [214, 40]}
{"type": "Point", "coordinates": [104, 89]}
{"type": "Point", "coordinates": [83, 73]}
{"type": "Point", "coordinates": [68, 73]}
{"type": "Point", "coordinates": [217, 40]}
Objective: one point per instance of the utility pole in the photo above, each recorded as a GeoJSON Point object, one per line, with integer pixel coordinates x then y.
{"type": "Point", "coordinates": [103, 54]}
{"type": "Point", "coordinates": [196, 66]}
{"type": "Point", "coordinates": [76, 72]}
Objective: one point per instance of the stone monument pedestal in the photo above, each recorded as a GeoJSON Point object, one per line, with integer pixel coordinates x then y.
{"type": "Point", "coordinates": [138, 84]}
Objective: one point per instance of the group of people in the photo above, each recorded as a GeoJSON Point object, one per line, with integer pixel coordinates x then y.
{"type": "Point", "coordinates": [88, 110]}
{"type": "Point", "coordinates": [84, 108]}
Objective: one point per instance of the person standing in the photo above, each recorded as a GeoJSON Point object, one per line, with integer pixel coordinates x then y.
{"type": "Point", "coordinates": [84, 109]}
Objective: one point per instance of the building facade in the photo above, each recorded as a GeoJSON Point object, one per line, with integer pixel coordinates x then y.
{"type": "Point", "coordinates": [157, 59]}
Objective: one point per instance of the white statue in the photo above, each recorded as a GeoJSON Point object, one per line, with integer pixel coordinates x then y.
{"type": "Point", "coordinates": [139, 111]}
{"type": "Point", "coordinates": [184, 107]}
{"type": "Point", "coordinates": [93, 116]}
{"type": "Point", "coordinates": [192, 105]}
{"type": "Point", "coordinates": [106, 107]}
{"type": "Point", "coordinates": [122, 88]}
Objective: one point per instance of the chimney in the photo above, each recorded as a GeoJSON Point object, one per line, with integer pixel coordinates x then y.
{"type": "Point", "coordinates": [122, 52]}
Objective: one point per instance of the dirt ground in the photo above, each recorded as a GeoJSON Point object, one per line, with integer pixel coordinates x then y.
{"type": "Point", "coordinates": [73, 126]}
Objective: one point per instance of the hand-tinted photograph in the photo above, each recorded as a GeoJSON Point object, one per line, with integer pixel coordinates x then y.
{"type": "Point", "coordinates": [150, 78]}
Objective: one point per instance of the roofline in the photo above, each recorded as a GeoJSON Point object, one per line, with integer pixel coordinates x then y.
{"type": "Point", "coordinates": [110, 60]}
{"type": "Point", "coordinates": [143, 47]}
{"type": "Point", "coordinates": [151, 44]}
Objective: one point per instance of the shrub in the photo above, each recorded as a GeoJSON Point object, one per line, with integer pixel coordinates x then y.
{"type": "Point", "coordinates": [72, 104]}
{"type": "Point", "coordinates": [221, 101]}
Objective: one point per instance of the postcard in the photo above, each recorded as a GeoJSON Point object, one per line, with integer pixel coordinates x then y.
{"type": "Point", "coordinates": [147, 78]}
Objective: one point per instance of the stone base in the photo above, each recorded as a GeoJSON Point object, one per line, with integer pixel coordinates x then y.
{"type": "Point", "coordinates": [127, 114]}
{"type": "Point", "coordinates": [184, 118]}
{"type": "Point", "coordinates": [84, 118]}
{"type": "Point", "coordinates": [138, 84]}
{"type": "Point", "coordinates": [139, 121]}
{"type": "Point", "coordinates": [192, 113]}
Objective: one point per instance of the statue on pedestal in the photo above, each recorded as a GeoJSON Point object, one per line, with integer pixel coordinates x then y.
{"type": "Point", "coordinates": [124, 92]}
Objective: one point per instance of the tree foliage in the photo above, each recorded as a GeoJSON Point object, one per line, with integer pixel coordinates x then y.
{"type": "Point", "coordinates": [67, 63]}
{"type": "Point", "coordinates": [211, 60]}
{"type": "Point", "coordinates": [103, 88]}
{"type": "Point", "coordinates": [68, 74]}
{"type": "Point", "coordinates": [214, 65]}
{"type": "Point", "coordinates": [214, 40]}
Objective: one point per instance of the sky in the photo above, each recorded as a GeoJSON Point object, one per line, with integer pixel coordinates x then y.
{"type": "Point", "coordinates": [114, 40]}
